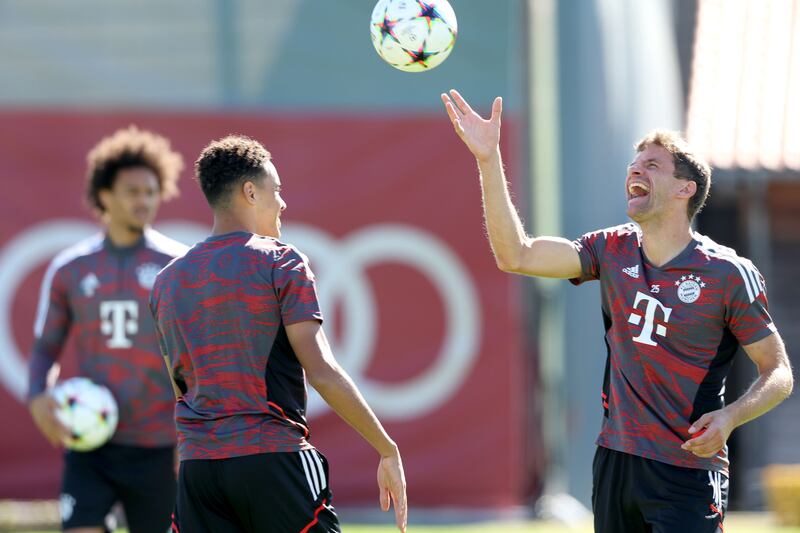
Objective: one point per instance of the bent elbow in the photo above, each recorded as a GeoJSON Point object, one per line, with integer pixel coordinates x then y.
{"type": "Point", "coordinates": [789, 383]}
{"type": "Point", "coordinates": [507, 263]}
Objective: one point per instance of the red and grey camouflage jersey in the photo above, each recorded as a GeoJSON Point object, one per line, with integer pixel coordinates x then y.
{"type": "Point", "coordinates": [221, 312]}
{"type": "Point", "coordinates": [671, 334]}
{"type": "Point", "coordinates": [98, 293]}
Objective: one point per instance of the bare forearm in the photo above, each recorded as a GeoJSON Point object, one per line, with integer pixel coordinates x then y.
{"type": "Point", "coordinates": [339, 391]}
{"type": "Point", "coordinates": [506, 234]}
{"type": "Point", "coordinates": [771, 388]}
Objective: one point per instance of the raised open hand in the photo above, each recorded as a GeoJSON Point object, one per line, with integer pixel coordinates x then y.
{"type": "Point", "coordinates": [481, 136]}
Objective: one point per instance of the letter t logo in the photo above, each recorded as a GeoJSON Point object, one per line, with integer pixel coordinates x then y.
{"type": "Point", "coordinates": [646, 335]}
{"type": "Point", "coordinates": [119, 318]}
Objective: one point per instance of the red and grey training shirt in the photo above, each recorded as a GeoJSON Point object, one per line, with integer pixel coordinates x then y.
{"type": "Point", "coordinates": [98, 293]}
{"type": "Point", "coordinates": [221, 312]}
{"type": "Point", "coordinates": [671, 334]}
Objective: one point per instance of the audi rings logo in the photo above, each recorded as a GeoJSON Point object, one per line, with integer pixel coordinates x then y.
{"type": "Point", "coordinates": [341, 267]}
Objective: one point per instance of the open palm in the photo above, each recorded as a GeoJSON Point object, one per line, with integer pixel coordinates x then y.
{"type": "Point", "coordinates": [481, 136]}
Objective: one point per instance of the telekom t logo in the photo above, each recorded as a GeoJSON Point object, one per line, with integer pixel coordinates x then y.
{"type": "Point", "coordinates": [119, 318]}
{"type": "Point", "coordinates": [646, 335]}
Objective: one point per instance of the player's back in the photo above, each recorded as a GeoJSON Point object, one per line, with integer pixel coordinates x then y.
{"type": "Point", "coordinates": [221, 312]}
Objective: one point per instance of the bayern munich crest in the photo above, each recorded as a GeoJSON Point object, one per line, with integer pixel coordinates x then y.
{"type": "Point", "coordinates": [146, 274]}
{"type": "Point", "coordinates": [689, 288]}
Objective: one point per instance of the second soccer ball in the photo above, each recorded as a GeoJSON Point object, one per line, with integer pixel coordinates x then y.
{"type": "Point", "coordinates": [88, 410]}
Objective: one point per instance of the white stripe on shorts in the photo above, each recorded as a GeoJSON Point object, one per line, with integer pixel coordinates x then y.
{"type": "Point", "coordinates": [314, 474]}
{"type": "Point", "coordinates": [308, 475]}
{"type": "Point", "coordinates": [322, 481]}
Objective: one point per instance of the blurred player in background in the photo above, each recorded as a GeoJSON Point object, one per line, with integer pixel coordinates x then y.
{"type": "Point", "coordinates": [240, 323]}
{"type": "Point", "coordinates": [676, 307]}
{"type": "Point", "coordinates": [97, 291]}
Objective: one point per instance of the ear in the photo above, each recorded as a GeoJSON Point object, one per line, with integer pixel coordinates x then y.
{"type": "Point", "coordinates": [687, 190]}
{"type": "Point", "coordinates": [249, 192]}
{"type": "Point", "coordinates": [104, 195]}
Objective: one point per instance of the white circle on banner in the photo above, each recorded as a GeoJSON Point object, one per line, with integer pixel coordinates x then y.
{"type": "Point", "coordinates": [342, 265]}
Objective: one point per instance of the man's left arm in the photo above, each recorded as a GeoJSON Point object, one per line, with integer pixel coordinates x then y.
{"type": "Point", "coordinates": [774, 384]}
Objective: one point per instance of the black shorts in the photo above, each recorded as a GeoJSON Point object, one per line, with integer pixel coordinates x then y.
{"type": "Point", "coordinates": [631, 494]}
{"type": "Point", "coordinates": [280, 492]}
{"type": "Point", "coordinates": [142, 479]}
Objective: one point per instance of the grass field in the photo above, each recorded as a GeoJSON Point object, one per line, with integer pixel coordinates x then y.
{"type": "Point", "coordinates": [735, 523]}
{"type": "Point", "coordinates": [21, 517]}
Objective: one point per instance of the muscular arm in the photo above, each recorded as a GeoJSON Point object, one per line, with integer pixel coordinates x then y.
{"type": "Point", "coordinates": [773, 385]}
{"type": "Point", "coordinates": [338, 390]}
{"type": "Point", "coordinates": [513, 249]}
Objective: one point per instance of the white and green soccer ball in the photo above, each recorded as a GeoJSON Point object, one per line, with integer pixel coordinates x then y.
{"type": "Point", "coordinates": [413, 35]}
{"type": "Point", "coordinates": [88, 410]}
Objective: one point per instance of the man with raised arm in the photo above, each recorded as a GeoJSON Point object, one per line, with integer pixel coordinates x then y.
{"type": "Point", "coordinates": [676, 307]}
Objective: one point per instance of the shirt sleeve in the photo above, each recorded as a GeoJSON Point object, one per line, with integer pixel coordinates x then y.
{"type": "Point", "coordinates": [53, 320]}
{"type": "Point", "coordinates": [295, 286]}
{"type": "Point", "coordinates": [590, 250]}
{"type": "Point", "coordinates": [747, 309]}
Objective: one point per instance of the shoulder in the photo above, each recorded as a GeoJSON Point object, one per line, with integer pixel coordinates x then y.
{"type": "Point", "coordinates": [158, 242]}
{"type": "Point", "coordinates": [622, 232]}
{"type": "Point", "coordinates": [730, 265]}
{"type": "Point", "coordinates": [621, 236]}
{"type": "Point", "coordinates": [278, 250]}
{"type": "Point", "coordinates": [78, 251]}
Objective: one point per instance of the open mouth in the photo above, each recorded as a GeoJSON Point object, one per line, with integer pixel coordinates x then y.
{"type": "Point", "coordinates": [638, 189]}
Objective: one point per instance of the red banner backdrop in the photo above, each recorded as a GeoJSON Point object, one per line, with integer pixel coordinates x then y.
{"type": "Point", "coordinates": [388, 211]}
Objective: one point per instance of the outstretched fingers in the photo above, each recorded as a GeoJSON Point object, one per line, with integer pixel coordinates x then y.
{"type": "Point", "coordinates": [453, 114]}
{"type": "Point", "coordinates": [462, 104]}
{"type": "Point", "coordinates": [497, 110]}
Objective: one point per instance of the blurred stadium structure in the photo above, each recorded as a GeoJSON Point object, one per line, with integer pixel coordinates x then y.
{"type": "Point", "coordinates": [489, 382]}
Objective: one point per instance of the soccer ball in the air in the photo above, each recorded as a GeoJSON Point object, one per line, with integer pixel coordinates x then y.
{"type": "Point", "coordinates": [413, 35]}
{"type": "Point", "coordinates": [88, 410]}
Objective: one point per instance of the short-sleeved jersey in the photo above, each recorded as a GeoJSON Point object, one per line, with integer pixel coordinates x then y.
{"type": "Point", "coordinates": [98, 293]}
{"type": "Point", "coordinates": [671, 334]}
{"type": "Point", "coordinates": [221, 312]}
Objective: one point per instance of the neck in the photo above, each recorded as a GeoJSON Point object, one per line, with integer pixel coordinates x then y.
{"type": "Point", "coordinates": [123, 236]}
{"type": "Point", "coordinates": [663, 241]}
{"type": "Point", "coordinates": [228, 222]}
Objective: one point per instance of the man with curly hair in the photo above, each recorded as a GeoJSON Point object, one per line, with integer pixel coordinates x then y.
{"type": "Point", "coordinates": [241, 327]}
{"type": "Point", "coordinates": [97, 292]}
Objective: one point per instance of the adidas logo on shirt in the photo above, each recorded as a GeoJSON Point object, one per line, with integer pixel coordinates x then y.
{"type": "Point", "coordinates": [632, 271]}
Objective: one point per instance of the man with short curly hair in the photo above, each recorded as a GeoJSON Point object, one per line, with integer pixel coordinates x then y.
{"type": "Point", "coordinates": [676, 307]}
{"type": "Point", "coordinates": [96, 292]}
{"type": "Point", "coordinates": [241, 328]}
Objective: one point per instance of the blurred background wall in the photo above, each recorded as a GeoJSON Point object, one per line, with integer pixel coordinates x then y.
{"type": "Point", "coordinates": [489, 382]}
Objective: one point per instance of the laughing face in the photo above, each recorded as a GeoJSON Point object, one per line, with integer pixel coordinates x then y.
{"type": "Point", "coordinates": [651, 185]}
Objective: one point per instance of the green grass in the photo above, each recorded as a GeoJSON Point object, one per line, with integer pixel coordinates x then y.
{"type": "Point", "coordinates": [736, 523]}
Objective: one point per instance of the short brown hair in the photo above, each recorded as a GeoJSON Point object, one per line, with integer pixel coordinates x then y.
{"type": "Point", "coordinates": [127, 148]}
{"type": "Point", "coordinates": [687, 165]}
{"type": "Point", "coordinates": [226, 162]}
